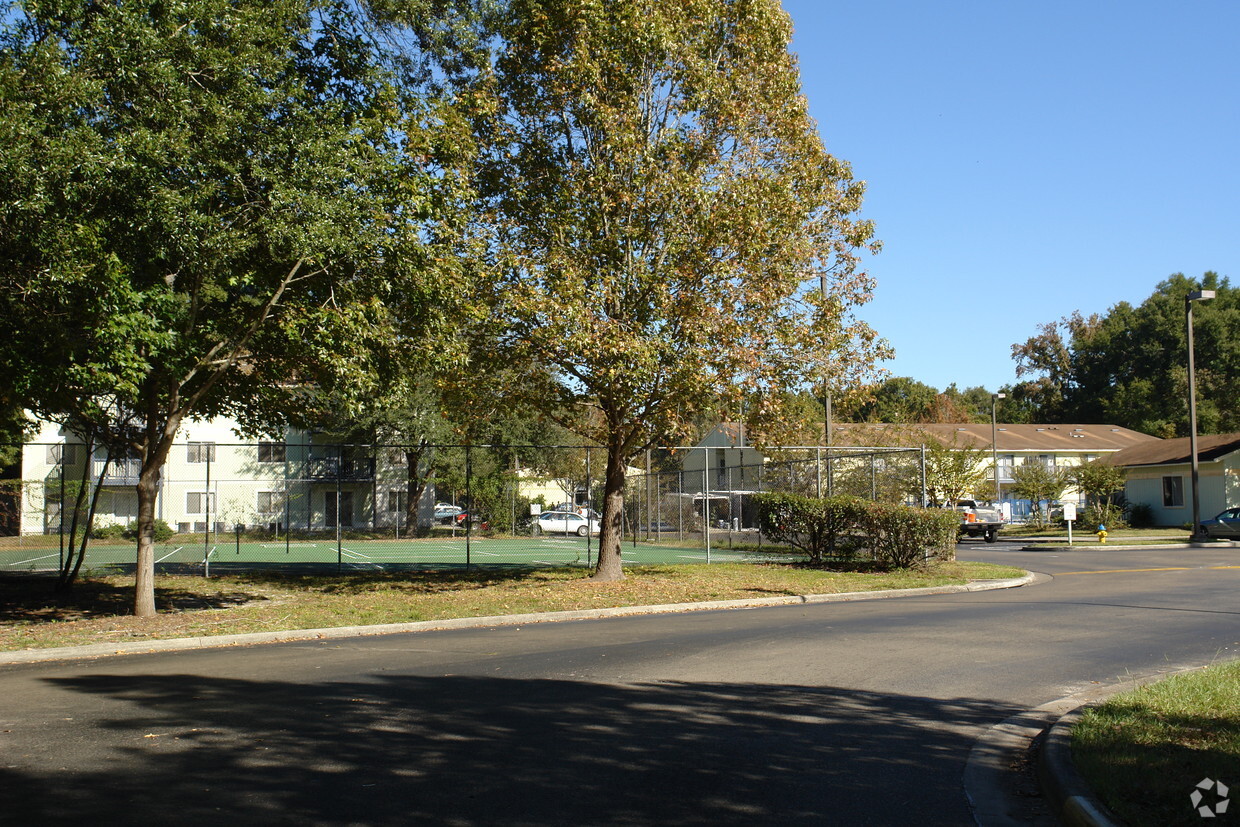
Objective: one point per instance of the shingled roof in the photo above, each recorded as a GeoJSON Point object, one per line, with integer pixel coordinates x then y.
{"type": "Point", "coordinates": [1175, 451]}
{"type": "Point", "coordinates": [1008, 437]}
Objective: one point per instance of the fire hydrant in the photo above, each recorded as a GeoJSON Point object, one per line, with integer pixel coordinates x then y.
{"type": "Point", "coordinates": [1102, 533]}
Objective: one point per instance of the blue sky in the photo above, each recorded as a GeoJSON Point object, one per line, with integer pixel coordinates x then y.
{"type": "Point", "coordinates": [1024, 160]}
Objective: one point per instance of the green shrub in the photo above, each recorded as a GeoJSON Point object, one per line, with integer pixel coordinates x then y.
{"type": "Point", "coordinates": [820, 527]}
{"type": "Point", "coordinates": [163, 532]}
{"type": "Point", "coordinates": [897, 536]}
{"type": "Point", "coordinates": [111, 531]}
{"type": "Point", "coordinates": [1140, 515]}
{"type": "Point", "coordinates": [1096, 514]}
{"type": "Point", "coordinates": [902, 537]}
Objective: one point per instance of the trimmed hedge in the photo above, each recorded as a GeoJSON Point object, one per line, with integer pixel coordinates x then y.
{"type": "Point", "coordinates": [820, 527]}
{"type": "Point", "coordinates": [897, 536]}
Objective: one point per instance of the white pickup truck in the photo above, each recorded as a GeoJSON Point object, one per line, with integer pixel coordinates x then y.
{"type": "Point", "coordinates": [977, 520]}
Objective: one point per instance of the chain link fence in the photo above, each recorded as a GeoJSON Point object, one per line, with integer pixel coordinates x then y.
{"type": "Point", "coordinates": [281, 502]}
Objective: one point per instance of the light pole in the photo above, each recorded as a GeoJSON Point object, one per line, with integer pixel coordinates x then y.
{"type": "Point", "coordinates": [1196, 295]}
{"type": "Point", "coordinates": [994, 440]}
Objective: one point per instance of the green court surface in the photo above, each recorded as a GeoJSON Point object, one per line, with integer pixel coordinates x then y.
{"type": "Point", "coordinates": [364, 554]}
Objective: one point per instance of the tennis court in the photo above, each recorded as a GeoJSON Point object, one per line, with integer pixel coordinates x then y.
{"type": "Point", "coordinates": [355, 555]}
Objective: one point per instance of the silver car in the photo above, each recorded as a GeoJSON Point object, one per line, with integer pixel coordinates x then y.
{"type": "Point", "coordinates": [1225, 526]}
{"type": "Point", "coordinates": [565, 522]}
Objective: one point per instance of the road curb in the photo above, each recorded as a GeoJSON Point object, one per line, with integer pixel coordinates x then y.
{"type": "Point", "coordinates": [1071, 798]}
{"type": "Point", "coordinates": [96, 650]}
{"type": "Point", "coordinates": [1117, 547]}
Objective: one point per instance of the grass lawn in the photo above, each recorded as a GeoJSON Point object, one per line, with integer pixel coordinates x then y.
{"type": "Point", "coordinates": [1083, 535]}
{"type": "Point", "coordinates": [1145, 751]}
{"type": "Point", "coordinates": [1080, 529]}
{"type": "Point", "coordinates": [97, 610]}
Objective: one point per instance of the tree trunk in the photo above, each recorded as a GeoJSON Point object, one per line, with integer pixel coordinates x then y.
{"type": "Point", "coordinates": [144, 584]}
{"type": "Point", "coordinates": [416, 486]}
{"type": "Point", "coordinates": [609, 566]}
{"type": "Point", "coordinates": [157, 445]}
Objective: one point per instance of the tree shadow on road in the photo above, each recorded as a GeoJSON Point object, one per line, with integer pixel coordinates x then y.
{"type": "Point", "coordinates": [471, 751]}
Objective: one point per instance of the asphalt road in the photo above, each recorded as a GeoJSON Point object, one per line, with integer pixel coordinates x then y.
{"type": "Point", "coordinates": [845, 713]}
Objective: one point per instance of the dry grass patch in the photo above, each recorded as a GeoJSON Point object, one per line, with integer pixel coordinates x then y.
{"type": "Point", "coordinates": [97, 609]}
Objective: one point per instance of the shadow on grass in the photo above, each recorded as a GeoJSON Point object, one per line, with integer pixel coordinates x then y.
{"type": "Point", "coordinates": [1145, 764]}
{"type": "Point", "coordinates": [33, 598]}
{"type": "Point", "coordinates": [465, 750]}
{"type": "Point", "coordinates": [419, 581]}
{"type": "Point", "coordinates": [29, 598]}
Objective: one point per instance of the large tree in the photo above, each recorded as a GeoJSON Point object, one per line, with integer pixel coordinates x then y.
{"type": "Point", "coordinates": [207, 202]}
{"type": "Point", "coordinates": [668, 232]}
{"type": "Point", "coordinates": [1130, 366]}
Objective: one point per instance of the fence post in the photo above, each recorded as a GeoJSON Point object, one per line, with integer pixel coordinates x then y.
{"type": "Point", "coordinates": [60, 529]}
{"type": "Point", "coordinates": [339, 519]}
{"type": "Point", "coordinates": [469, 504]}
{"type": "Point", "coordinates": [924, 500]}
{"type": "Point", "coordinates": [706, 500]}
{"type": "Point", "coordinates": [590, 510]}
{"type": "Point", "coordinates": [206, 508]}
{"type": "Point", "coordinates": [817, 472]}
{"type": "Point", "coordinates": [287, 504]}
{"type": "Point", "coordinates": [759, 522]}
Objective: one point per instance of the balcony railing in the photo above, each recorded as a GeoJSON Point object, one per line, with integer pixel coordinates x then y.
{"type": "Point", "coordinates": [330, 469]}
{"type": "Point", "coordinates": [119, 471]}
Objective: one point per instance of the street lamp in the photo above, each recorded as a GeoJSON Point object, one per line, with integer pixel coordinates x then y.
{"type": "Point", "coordinates": [994, 440]}
{"type": "Point", "coordinates": [1196, 295]}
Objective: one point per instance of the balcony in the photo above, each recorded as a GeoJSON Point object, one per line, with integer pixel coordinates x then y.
{"type": "Point", "coordinates": [1005, 474]}
{"type": "Point", "coordinates": [120, 471]}
{"type": "Point", "coordinates": [331, 469]}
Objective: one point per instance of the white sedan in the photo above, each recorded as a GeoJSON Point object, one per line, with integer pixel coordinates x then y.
{"type": "Point", "coordinates": [565, 522]}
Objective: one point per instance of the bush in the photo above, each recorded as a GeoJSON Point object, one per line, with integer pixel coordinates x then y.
{"type": "Point", "coordinates": [163, 532]}
{"type": "Point", "coordinates": [817, 526]}
{"type": "Point", "coordinates": [1096, 514]}
{"type": "Point", "coordinates": [898, 536]}
{"type": "Point", "coordinates": [111, 531]}
{"type": "Point", "coordinates": [902, 537]}
{"type": "Point", "coordinates": [1141, 515]}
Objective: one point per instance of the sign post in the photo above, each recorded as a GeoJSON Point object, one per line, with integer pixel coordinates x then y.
{"type": "Point", "coordinates": [1069, 514]}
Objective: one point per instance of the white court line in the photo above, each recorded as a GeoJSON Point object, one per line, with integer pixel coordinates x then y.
{"type": "Point", "coordinates": [32, 559]}
{"type": "Point", "coordinates": [356, 554]}
{"type": "Point", "coordinates": [175, 550]}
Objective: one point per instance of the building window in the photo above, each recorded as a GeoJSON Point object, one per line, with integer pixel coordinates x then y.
{"type": "Point", "coordinates": [62, 454]}
{"type": "Point", "coordinates": [1173, 492]}
{"type": "Point", "coordinates": [199, 502]}
{"type": "Point", "coordinates": [200, 452]}
{"type": "Point", "coordinates": [268, 502]}
{"type": "Point", "coordinates": [272, 451]}
{"type": "Point", "coordinates": [396, 502]}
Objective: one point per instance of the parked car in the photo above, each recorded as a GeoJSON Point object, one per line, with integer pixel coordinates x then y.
{"type": "Point", "coordinates": [446, 514]}
{"type": "Point", "coordinates": [565, 522]}
{"type": "Point", "coordinates": [1225, 526]}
